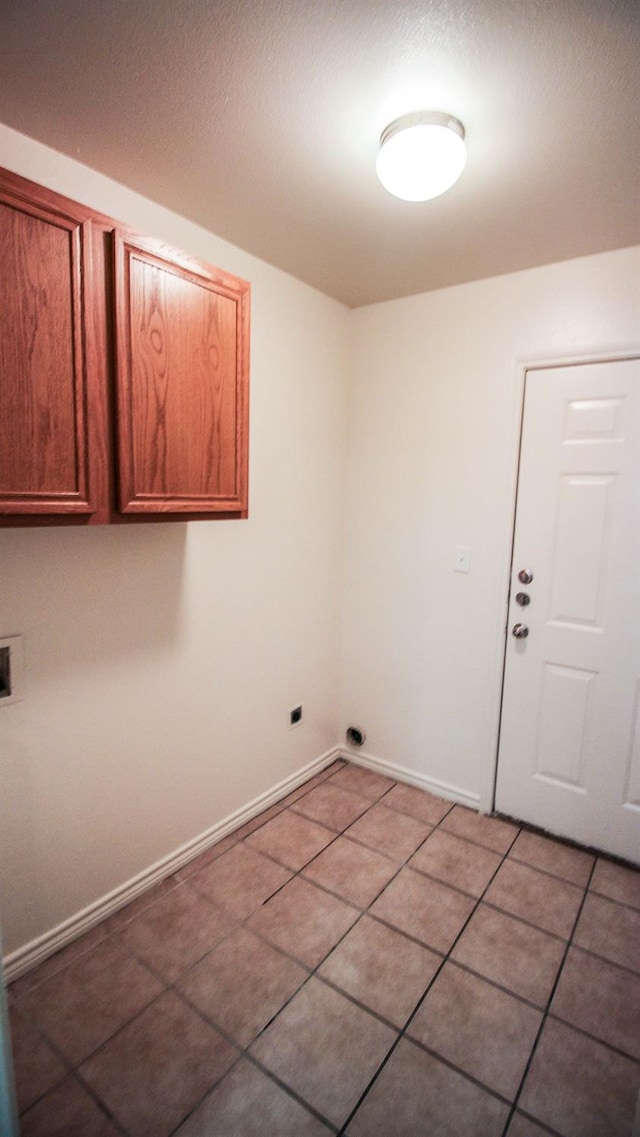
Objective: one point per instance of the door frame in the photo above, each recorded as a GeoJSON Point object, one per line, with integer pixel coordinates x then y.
{"type": "Point", "coordinates": [8, 1101]}
{"type": "Point", "coordinates": [522, 366]}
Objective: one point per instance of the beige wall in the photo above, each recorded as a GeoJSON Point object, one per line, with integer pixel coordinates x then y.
{"type": "Point", "coordinates": [433, 440]}
{"type": "Point", "coordinates": [161, 660]}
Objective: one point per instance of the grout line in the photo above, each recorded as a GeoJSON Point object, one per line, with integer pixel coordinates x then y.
{"type": "Point", "coordinates": [614, 900]}
{"type": "Point", "coordinates": [445, 883]}
{"type": "Point", "coordinates": [73, 1071]}
{"type": "Point", "coordinates": [291, 1092]}
{"type": "Point", "coordinates": [540, 1124]}
{"type": "Point", "coordinates": [539, 1007]}
{"type": "Point", "coordinates": [171, 986]}
{"type": "Point", "coordinates": [545, 1015]}
{"type": "Point", "coordinates": [545, 872]}
{"type": "Point", "coordinates": [605, 959]}
{"type": "Point", "coordinates": [527, 923]}
{"type": "Point", "coordinates": [594, 1037]}
{"type": "Point", "coordinates": [458, 1070]}
{"type": "Point", "coordinates": [402, 1034]}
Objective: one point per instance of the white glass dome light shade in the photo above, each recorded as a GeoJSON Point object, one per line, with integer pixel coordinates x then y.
{"type": "Point", "coordinates": [421, 155]}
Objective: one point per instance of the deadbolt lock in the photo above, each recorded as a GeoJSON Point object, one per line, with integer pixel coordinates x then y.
{"type": "Point", "coordinates": [525, 576]}
{"type": "Point", "coordinates": [523, 598]}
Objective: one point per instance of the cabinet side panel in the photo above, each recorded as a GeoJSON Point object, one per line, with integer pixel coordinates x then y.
{"type": "Point", "coordinates": [43, 446]}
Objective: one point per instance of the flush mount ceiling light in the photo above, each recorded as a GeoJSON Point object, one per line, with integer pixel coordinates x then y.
{"type": "Point", "coordinates": [421, 155]}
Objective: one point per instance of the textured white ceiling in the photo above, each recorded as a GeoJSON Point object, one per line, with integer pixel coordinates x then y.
{"type": "Point", "coordinates": [260, 119]}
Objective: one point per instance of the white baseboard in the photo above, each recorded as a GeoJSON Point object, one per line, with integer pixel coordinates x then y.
{"type": "Point", "coordinates": [36, 951]}
{"type": "Point", "coordinates": [30, 955]}
{"type": "Point", "coordinates": [402, 774]}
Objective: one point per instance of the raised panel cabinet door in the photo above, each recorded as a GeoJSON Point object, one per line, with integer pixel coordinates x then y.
{"type": "Point", "coordinates": [47, 384]}
{"type": "Point", "coordinates": [182, 361]}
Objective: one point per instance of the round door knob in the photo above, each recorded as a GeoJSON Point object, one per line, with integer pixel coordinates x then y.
{"type": "Point", "coordinates": [525, 576]}
{"type": "Point", "coordinates": [520, 631]}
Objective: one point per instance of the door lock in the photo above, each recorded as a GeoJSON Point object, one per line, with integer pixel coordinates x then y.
{"type": "Point", "coordinates": [520, 631]}
{"type": "Point", "coordinates": [523, 598]}
{"type": "Point", "coordinates": [525, 576]}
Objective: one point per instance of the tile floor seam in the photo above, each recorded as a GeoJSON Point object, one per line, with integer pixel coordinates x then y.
{"type": "Point", "coordinates": [245, 1051]}
{"type": "Point", "coordinates": [458, 1069]}
{"type": "Point", "coordinates": [528, 923]}
{"type": "Point", "coordinates": [493, 983]}
{"type": "Point", "coordinates": [434, 825]}
{"type": "Point", "coordinates": [567, 842]}
{"type": "Point", "coordinates": [403, 1033]}
{"type": "Point", "coordinates": [542, 1124]}
{"type": "Point", "coordinates": [227, 1038]}
{"type": "Point", "coordinates": [70, 1071]}
{"type": "Point", "coordinates": [88, 1088]}
{"type": "Point", "coordinates": [316, 884]}
{"type": "Point", "coordinates": [172, 986]}
{"type": "Point", "coordinates": [376, 849]}
{"type": "Point", "coordinates": [282, 864]}
{"type": "Point", "coordinates": [73, 1070]}
{"type": "Point", "coordinates": [469, 840]}
{"type": "Point", "coordinates": [282, 804]}
{"type": "Point", "coordinates": [407, 935]}
{"type": "Point", "coordinates": [153, 968]}
{"type": "Point", "coordinates": [446, 883]}
{"type": "Point", "coordinates": [287, 954]}
{"type": "Point", "coordinates": [385, 792]}
{"type": "Point", "coordinates": [199, 1102]}
{"type": "Point", "coordinates": [545, 872]}
{"type": "Point", "coordinates": [338, 896]}
{"type": "Point", "coordinates": [290, 1091]}
{"type": "Point", "coordinates": [605, 959]}
{"type": "Point", "coordinates": [373, 849]}
{"type": "Point", "coordinates": [352, 998]}
{"type": "Point", "coordinates": [361, 845]}
{"type": "Point", "coordinates": [545, 1014]}
{"type": "Point", "coordinates": [124, 1026]}
{"type": "Point", "coordinates": [614, 899]}
{"type": "Point", "coordinates": [315, 972]}
{"type": "Point", "coordinates": [222, 1030]}
{"type": "Point", "coordinates": [594, 1037]}
{"type": "Point", "coordinates": [311, 974]}
{"type": "Point", "coordinates": [338, 832]}
{"type": "Point", "coordinates": [15, 999]}
{"type": "Point", "coordinates": [169, 986]}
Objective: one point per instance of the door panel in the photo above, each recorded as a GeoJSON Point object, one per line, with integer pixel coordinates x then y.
{"type": "Point", "coordinates": [570, 751]}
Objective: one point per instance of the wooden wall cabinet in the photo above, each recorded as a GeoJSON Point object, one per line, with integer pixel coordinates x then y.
{"type": "Point", "coordinates": [124, 369]}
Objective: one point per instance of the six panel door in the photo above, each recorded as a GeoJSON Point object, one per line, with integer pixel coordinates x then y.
{"type": "Point", "coordinates": [570, 736]}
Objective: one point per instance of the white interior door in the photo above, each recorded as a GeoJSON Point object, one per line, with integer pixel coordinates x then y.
{"type": "Point", "coordinates": [569, 756]}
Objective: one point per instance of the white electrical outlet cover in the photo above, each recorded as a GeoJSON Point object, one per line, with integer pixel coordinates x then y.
{"type": "Point", "coordinates": [462, 560]}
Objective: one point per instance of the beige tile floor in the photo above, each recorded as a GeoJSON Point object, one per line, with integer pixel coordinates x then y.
{"type": "Point", "coordinates": [363, 959]}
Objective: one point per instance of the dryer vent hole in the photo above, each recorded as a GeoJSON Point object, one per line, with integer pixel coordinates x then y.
{"type": "Point", "coordinates": [355, 736]}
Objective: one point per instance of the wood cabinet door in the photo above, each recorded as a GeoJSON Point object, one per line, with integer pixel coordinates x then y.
{"type": "Point", "coordinates": [47, 380]}
{"type": "Point", "coordinates": [182, 356]}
